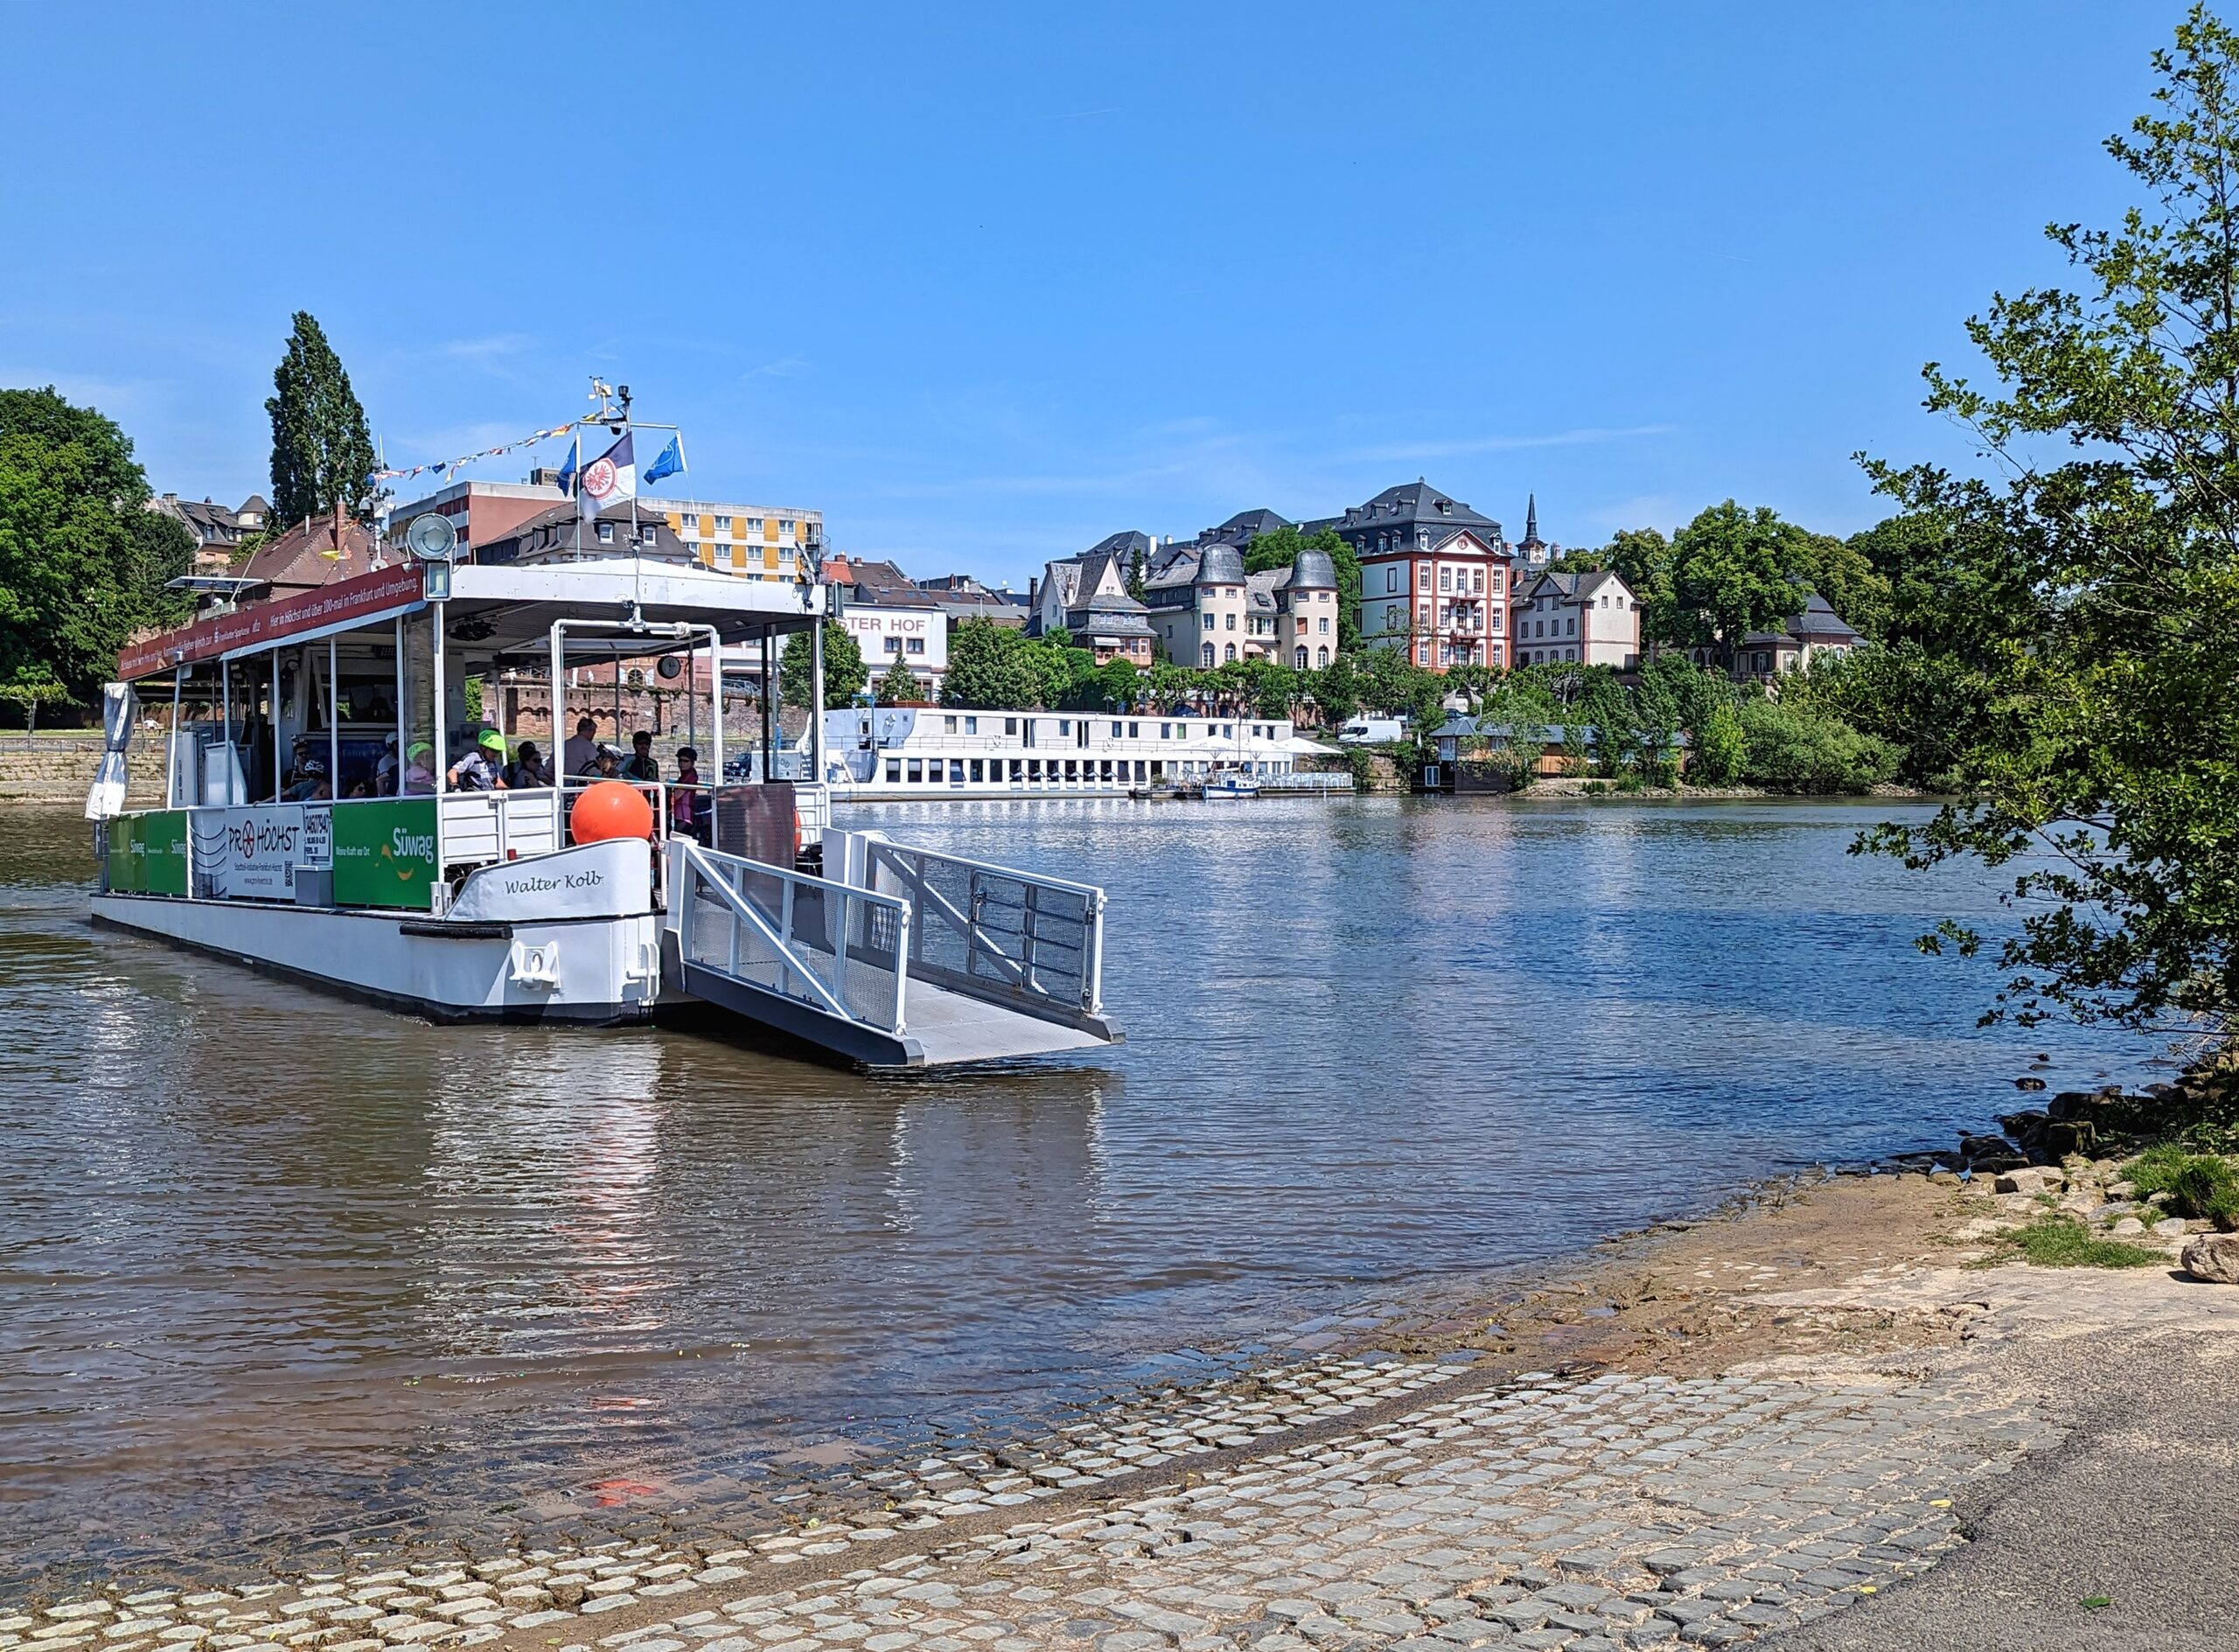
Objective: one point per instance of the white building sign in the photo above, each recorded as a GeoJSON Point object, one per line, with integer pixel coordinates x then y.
{"type": "Point", "coordinates": [917, 636]}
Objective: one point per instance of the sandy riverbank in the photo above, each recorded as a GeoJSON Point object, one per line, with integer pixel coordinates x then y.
{"type": "Point", "coordinates": [1734, 1428]}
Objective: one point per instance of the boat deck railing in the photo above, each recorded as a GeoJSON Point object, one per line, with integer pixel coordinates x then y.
{"type": "Point", "coordinates": [822, 944]}
{"type": "Point", "coordinates": [1309, 783]}
{"type": "Point", "coordinates": [997, 933]}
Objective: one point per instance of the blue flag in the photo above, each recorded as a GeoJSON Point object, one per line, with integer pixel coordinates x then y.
{"type": "Point", "coordinates": [671, 462]}
{"type": "Point", "coordinates": [566, 477]}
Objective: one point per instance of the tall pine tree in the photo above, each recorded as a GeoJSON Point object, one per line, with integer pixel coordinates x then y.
{"type": "Point", "coordinates": [321, 453]}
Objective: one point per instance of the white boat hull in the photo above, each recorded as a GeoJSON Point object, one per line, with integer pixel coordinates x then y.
{"type": "Point", "coordinates": [597, 970]}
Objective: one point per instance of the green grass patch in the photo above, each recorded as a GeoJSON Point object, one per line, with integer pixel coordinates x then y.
{"type": "Point", "coordinates": [2062, 1242]}
{"type": "Point", "coordinates": [2200, 1186]}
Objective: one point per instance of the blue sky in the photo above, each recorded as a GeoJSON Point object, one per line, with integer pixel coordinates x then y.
{"type": "Point", "coordinates": [984, 283]}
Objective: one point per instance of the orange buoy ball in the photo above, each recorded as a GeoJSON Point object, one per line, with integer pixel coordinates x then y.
{"type": "Point", "coordinates": [610, 809]}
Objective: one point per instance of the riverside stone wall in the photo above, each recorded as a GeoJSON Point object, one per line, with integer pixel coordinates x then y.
{"type": "Point", "coordinates": [60, 769]}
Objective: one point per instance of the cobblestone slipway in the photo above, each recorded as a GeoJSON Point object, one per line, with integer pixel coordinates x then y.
{"type": "Point", "coordinates": [1347, 1501]}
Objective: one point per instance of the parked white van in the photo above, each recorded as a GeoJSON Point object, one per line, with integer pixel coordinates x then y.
{"type": "Point", "coordinates": [1372, 731]}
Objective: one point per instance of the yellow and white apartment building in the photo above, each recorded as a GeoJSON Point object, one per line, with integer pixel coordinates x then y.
{"type": "Point", "coordinates": [760, 541]}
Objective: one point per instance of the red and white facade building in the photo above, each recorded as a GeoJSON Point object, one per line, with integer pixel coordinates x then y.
{"type": "Point", "coordinates": [1435, 577]}
{"type": "Point", "coordinates": [1447, 603]}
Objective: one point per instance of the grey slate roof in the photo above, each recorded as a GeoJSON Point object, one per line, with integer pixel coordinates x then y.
{"type": "Point", "coordinates": [1312, 571]}
{"type": "Point", "coordinates": [1246, 525]}
{"type": "Point", "coordinates": [1404, 506]}
{"type": "Point", "coordinates": [1219, 565]}
{"type": "Point", "coordinates": [1815, 621]}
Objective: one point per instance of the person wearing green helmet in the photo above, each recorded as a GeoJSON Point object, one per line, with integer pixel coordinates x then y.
{"type": "Point", "coordinates": [483, 768]}
{"type": "Point", "coordinates": [419, 769]}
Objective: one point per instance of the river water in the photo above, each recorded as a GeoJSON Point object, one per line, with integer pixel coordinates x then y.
{"type": "Point", "coordinates": [276, 1268]}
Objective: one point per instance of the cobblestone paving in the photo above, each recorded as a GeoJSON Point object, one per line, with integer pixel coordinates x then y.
{"type": "Point", "coordinates": [1621, 1512]}
{"type": "Point", "coordinates": [1616, 1512]}
{"type": "Point", "coordinates": [446, 1602]}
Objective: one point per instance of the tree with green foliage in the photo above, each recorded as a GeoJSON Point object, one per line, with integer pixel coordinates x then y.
{"type": "Point", "coordinates": [83, 563]}
{"type": "Point", "coordinates": [1721, 747]}
{"type": "Point", "coordinates": [1515, 719]}
{"type": "Point", "coordinates": [844, 671]}
{"type": "Point", "coordinates": [2099, 771]}
{"type": "Point", "coordinates": [1640, 556]}
{"type": "Point", "coordinates": [30, 688]}
{"type": "Point", "coordinates": [1843, 575]}
{"type": "Point", "coordinates": [1336, 690]}
{"type": "Point", "coordinates": [1279, 547]}
{"type": "Point", "coordinates": [898, 686]}
{"type": "Point", "coordinates": [1790, 747]}
{"type": "Point", "coordinates": [990, 668]}
{"type": "Point", "coordinates": [322, 454]}
{"type": "Point", "coordinates": [1733, 571]}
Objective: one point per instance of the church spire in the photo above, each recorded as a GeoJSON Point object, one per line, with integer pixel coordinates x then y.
{"type": "Point", "coordinates": [1531, 519]}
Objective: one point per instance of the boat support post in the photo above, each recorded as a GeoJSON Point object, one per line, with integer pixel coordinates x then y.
{"type": "Point", "coordinates": [766, 674]}
{"type": "Point", "coordinates": [333, 719]}
{"type": "Point", "coordinates": [816, 701]}
{"type": "Point", "coordinates": [558, 744]}
{"type": "Point", "coordinates": [443, 745]}
{"type": "Point", "coordinates": [716, 694]}
{"type": "Point", "coordinates": [171, 758]}
{"type": "Point", "coordinates": [400, 705]}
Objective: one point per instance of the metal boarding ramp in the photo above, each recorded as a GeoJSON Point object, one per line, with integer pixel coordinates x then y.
{"type": "Point", "coordinates": [902, 958]}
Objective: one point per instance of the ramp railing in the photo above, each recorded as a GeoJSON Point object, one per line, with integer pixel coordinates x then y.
{"type": "Point", "coordinates": [820, 944]}
{"type": "Point", "coordinates": [999, 934]}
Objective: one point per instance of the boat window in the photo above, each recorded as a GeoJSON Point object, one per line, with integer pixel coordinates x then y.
{"type": "Point", "coordinates": [1064, 727]}
{"type": "Point", "coordinates": [972, 725]}
{"type": "Point", "coordinates": [1166, 731]}
{"type": "Point", "coordinates": [1018, 768]}
{"type": "Point", "coordinates": [979, 769]}
{"type": "Point", "coordinates": [1115, 731]}
{"type": "Point", "coordinates": [1010, 725]}
{"type": "Point", "coordinates": [1134, 730]}
{"type": "Point", "coordinates": [948, 725]}
{"type": "Point", "coordinates": [917, 771]}
{"type": "Point", "coordinates": [894, 771]}
{"type": "Point", "coordinates": [1034, 768]}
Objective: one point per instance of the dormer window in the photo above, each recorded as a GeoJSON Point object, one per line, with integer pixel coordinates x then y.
{"type": "Point", "coordinates": [606, 532]}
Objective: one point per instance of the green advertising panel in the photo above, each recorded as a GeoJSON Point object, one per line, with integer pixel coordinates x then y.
{"type": "Point", "coordinates": [147, 853]}
{"type": "Point", "coordinates": [385, 853]}
{"type": "Point", "coordinates": [159, 848]}
{"type": "Point", "coordinates": [123, 863]}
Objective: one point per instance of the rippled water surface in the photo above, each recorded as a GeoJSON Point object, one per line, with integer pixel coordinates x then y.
{"type": "Point", "coordinates": [273, 1264]}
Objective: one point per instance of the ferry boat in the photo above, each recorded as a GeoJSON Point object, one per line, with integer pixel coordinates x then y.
{"type": "Point", "coordinates": [531, 903]}
{"type": "Point", "coordinates": [915, 754]}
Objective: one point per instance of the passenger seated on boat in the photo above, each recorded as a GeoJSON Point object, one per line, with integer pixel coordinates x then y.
{"type": "Point", "coordinates": [385, 771]}
{"type": "Point", "coordinates": [419, 769]}
{"type": "Point", "coordinates": [527, 767]}
{"type": "Point", "coordinates": [311, 787]}
{"type": "Point", "coordinates": [579, 752]}
{"type": "Point", "coordinates": [689, 807]}
{"type": "Point", "coordinates": [299, 756]}
{"type": "Point", "coordinates": [607, 765]}
{"type": "Point", "coordinates": [640, 764]}
{"type": "Point", "coordinates": [482, 769]}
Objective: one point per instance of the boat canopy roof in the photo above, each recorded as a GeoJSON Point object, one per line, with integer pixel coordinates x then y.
{"type": "Point", "coordinates": [502, 609]}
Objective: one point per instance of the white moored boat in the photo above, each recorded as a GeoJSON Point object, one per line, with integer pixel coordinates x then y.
{"type": "Point", "coordinates": [927, 753]}
{"type": "Point", "coordinates": [510, 903]}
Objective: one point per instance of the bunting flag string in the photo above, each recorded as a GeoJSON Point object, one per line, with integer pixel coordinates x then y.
{"type": "Point", "coordinates": [450, 468]}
